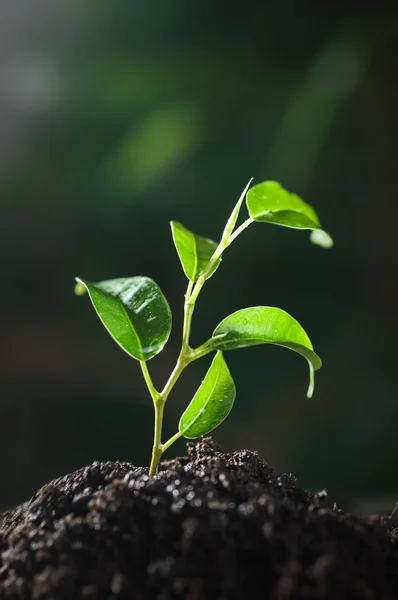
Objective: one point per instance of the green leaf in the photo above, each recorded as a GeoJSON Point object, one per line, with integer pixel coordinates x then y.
{"type": "Point", "coordinates": [229, 227]}
{"type": "Point", "coordinates": [266, 325]}
{"type": "Point", "coordinates": [194, 251]}
{"type": "Point", "coordinates": [134, 311]}
{"type": "Point", "coordinates": [212, 402]}
{"type": "Point", "coordinates": [269, 202]}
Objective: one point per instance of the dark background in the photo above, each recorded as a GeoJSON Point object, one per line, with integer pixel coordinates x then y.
{"type": "Point", "coordinates": [116, 117]}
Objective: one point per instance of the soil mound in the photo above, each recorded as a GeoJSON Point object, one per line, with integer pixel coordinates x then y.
{"type": "Point", "coordinates": [208, 526]}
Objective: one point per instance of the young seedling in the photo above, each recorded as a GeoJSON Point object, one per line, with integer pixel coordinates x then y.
{"type": "Point", "coordinates": [138, 317]}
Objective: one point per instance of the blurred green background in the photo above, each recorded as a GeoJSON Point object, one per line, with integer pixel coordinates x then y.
{"type": "Point", "coordinates": [116, 117]}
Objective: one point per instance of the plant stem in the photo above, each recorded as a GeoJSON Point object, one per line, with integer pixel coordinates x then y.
{"type": "Point", "coordinates": [159, 399]}
{"type": "Point", "coordinates": [239, 230]}
{"type": "Point", "coordinates": [157, 449]}
{"type": "Point", "coordinates": [158, 405]}
{"type": "Point", "coordinates": [178, 369]}
{"type": "Point", "coordinates": [186, 355]}
{"type": "Point", "coordinates": [188, 312]}
{"type": "Point", "coordinates": [201, 281]}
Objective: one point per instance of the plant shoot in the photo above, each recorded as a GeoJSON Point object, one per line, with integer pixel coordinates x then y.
{"type": "Point", "coordinates": [138, 317]}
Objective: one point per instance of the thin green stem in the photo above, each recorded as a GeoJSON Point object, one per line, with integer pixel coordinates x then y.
{"type": "Point", "coordinates": [171, 441]}
{"type": "Point", "coordinates": [158, 405]}
{"type": "Point", "coordinates": [188, 312]}
{"type": "Point", "coordinates": [186, 355]}
{"type": "Point", "coordinates": [202, 350]}
{"type": "Point", "coordinates": [148, 380]}
{"type": "Point", "coordinates": [157, 449]}
{"type": "Point", "coordinates": [178, 369]}
{"type": "Point", "coordinates": [239, 230]}
{"type": "Point", "coordinates": [159, 399]}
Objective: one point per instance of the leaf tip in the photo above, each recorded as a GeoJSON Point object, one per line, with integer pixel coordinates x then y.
{"type": "Point", "coordinates": [310, 391]}
{"type": "Point", "coordinates": [80, 288]}
{"type": "Point", "coordinates": [321, 238]}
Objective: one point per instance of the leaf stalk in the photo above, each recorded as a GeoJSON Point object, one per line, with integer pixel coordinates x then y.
{"type": "Point", "coordinates": [171, 441]}
{"type": "Point", "coordinates": [148, 380]}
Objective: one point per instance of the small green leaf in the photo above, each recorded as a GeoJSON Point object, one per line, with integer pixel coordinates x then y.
{"type": "Point", "coordinates": [230, 226]}
{"type": "Point", "coordinates": [194, 251]}
{"type": "Point", "coordinates": [212, 402]}
{"type": "Point", "coordinates": [134, 311]}
{"type": "Point", "coordinates": [269, 202]}
{"type": "Point", "coordinates": [266, 325]}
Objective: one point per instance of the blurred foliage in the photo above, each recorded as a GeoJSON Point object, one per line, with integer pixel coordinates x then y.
{"type": "Point", "coordinates": [135, 114]}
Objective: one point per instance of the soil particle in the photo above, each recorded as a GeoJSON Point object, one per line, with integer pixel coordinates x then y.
{"type": "Point", "coordinates": [207, 526]}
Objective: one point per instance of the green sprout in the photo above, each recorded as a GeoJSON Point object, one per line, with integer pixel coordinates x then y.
{"type": "Point", "coordinates": [138, 317]}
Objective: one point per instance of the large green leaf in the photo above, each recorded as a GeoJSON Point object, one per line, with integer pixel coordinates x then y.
{"type": "Point", "coordinates": [266, 325]}
{"type": "Point", "coordinates": [269, 202]}
{"type": "Point", "coordinates": [211, 403]}
{"type": "Point", "coordinates": [194, 251]}
{"type": "Point", "coordinates": [134, 311]}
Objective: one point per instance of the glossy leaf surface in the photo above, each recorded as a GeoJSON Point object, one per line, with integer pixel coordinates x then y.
{"type": "Point", "coordinates": [269, 202]}
{"type": "Point", "coordinates": [194, 251]}
{"type": "Point", "coordinates": [211, 403]}
{"type": "Point", "coordinates": [134, 311]}
{"type": "Point", "coordinates": [266, 325]}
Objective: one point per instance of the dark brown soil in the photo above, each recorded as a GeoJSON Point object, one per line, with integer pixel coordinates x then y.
{"type": "Point", "coordinates": [208, 526]}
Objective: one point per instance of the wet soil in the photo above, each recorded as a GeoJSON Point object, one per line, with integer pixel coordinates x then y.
{"type": "Point", "coordinates": [207, 526]}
